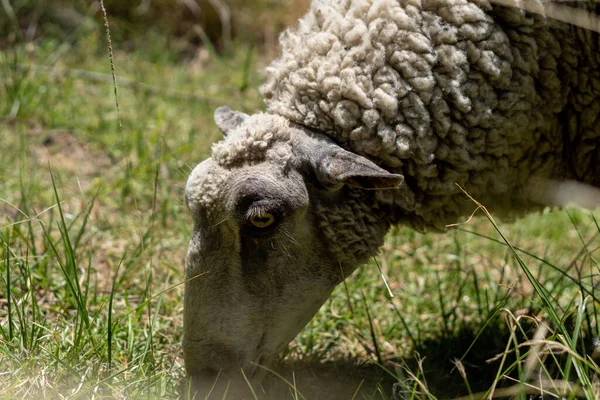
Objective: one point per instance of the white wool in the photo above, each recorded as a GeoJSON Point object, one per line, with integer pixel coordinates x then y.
{"type": "Point", "coordinates": [261, 137]}
{"type": "Point", "coordinates": [252, 141]}
{"type": "Point", "coordinates": [444, 92]}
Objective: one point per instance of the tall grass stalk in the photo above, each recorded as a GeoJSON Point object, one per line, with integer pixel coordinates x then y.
{"type": "Point", "coordinates": [549, 307]}
{"type": "Point", "coordinates": [110, 328]}
{"type": "Point", "coordinates": [5, 242]}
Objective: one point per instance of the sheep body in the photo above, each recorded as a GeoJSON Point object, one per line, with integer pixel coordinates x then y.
{"type": "Point", "coordinates": [490, 98]}
{"type": "Point", "coordinates": [376, 110]}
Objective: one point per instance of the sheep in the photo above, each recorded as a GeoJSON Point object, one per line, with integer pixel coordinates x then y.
{"type": "Point", "coordinates": [378, 113]}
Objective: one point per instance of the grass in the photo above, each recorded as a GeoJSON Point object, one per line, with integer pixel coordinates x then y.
{"type": "Point", "coordinates": [94, 231]}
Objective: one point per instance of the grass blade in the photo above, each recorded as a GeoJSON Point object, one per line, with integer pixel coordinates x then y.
{"type": "Point", "coordinates": [249, 385]}
{"type": "Point", "coordinates": [110, 312]}
{"type": "Point", "coordinates": [6, 241]}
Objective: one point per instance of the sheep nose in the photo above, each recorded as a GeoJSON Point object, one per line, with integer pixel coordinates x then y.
{"type": "Point", "coordinates": [209, 384]}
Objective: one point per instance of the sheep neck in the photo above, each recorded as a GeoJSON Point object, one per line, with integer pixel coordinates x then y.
{"type": "Point", "coordinates": [353, 229]}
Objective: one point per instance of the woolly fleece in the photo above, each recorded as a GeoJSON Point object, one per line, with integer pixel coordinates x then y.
{"type": "Point", "coordinates": [445, 93]}
{"type": "Point", "coordinates": [261, 137]}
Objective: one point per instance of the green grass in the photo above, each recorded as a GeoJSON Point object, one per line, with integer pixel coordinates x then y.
{"type": "Point", "coordinates": [94, 231]}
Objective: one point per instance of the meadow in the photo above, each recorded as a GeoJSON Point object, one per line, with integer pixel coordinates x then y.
{"type": "Point", "coordinates": [94, 233]}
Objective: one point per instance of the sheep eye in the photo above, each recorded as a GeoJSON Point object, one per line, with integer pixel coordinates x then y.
{"type": "Point", "coordinates": [262, 220]}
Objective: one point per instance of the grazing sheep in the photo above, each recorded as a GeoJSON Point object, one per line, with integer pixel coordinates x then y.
{"type": "Point", "coordinates": [377, 109]}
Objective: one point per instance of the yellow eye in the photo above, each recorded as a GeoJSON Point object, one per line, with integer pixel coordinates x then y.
{"type": "Point", "coordinates": [263, 220]}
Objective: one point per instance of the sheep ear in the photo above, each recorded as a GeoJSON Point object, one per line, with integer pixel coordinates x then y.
{"type": "Point", "coordinates": [335, 167]}
{"type": "Point", "coordinates": [227, 119]}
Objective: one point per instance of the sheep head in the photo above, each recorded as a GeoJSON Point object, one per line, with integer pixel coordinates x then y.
{"type": "Point", "coordinates": [281, 216]}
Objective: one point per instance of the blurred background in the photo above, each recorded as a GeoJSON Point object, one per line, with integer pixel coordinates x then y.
{"type": "Point", "coordinates": [185, 25]}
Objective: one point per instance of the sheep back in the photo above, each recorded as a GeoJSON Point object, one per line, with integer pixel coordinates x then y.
{"type": "Point", "coordinates": [445, 93]}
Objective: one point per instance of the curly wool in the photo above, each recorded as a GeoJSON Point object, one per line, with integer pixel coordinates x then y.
{"type": "Point", "coordinates": [253, 140]}
{"type": "Point", "coordinates": [261, 137]}
{"type": "Point", "coordinates": [354, 233]}
{"type": "Point", "coordinates": [445, 93]}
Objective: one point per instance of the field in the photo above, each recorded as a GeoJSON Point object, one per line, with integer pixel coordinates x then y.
{"type": "Point", "coordinates": [94, 232]}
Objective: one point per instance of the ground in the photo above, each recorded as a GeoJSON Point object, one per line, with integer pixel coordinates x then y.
{"type": "Point", "coordinates": [94, 232]}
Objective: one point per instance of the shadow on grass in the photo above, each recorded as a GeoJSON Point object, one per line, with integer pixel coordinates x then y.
{"type": "Point", "coordinates": [433, 364]}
